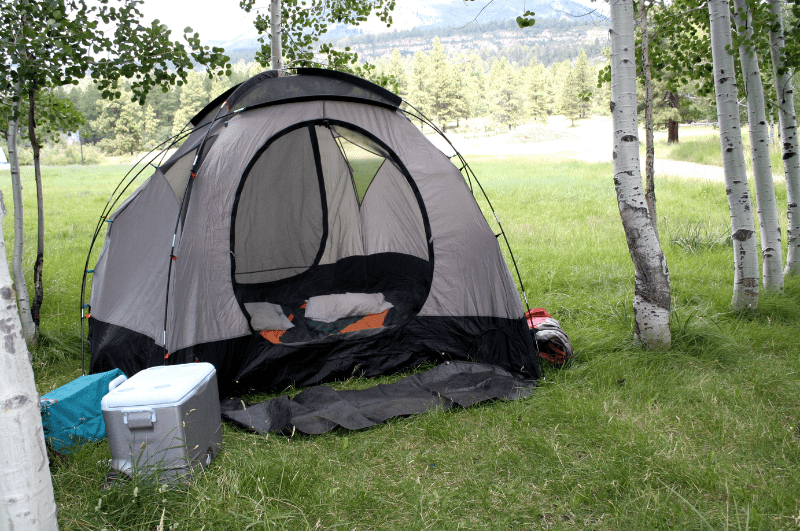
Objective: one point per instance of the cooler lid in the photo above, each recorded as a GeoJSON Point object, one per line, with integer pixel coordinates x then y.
{"type": "Point", "coordinates": [168, 384]}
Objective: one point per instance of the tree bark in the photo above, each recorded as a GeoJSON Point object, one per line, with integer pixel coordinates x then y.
{"type": "Point", "coordinates": [787, 121]}
{"type": "Point", "coordinates": [276, 60]}
{"type": "Point", "coordinates": [745, 257]}
{"type": "Point", "coordinates": [649, 165]}
{"type": "Point", "coordinates": [651, 303]}
{"type": "Point", "coordinates": [672, 132]}
{"type": "Point", "coordinates": [767, 204]}
{"type": "Point", "coordinates": [21, 287]}
{"type": "Point", "coordinates": [26, 488]}
{"type": "Point", "coordinates": [38, 288]}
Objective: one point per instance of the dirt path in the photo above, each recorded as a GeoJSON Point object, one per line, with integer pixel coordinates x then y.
{"type": "Point", "coordinates": [590, 140]}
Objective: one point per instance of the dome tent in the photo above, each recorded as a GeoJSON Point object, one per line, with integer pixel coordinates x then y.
{"type": "Point", "coordinates": [293, 197]}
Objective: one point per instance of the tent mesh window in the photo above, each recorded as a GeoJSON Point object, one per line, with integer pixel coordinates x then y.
{"type": "Point", "coordinates": [364, 158]}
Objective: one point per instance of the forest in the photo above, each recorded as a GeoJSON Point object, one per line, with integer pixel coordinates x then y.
{"type": "Point", "coordinates": [450, 90]}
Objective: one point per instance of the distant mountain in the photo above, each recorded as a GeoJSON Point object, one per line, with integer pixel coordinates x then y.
{"type": "Point", "coordinates": [463, 26]}
{"type": "Point", "coordinates": [462, 14]}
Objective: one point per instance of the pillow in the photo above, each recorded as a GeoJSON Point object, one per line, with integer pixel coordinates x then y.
{"type": "Point", "coordinates": [267, 316]}
{"type": "Point", "coordinates": [330, 308]}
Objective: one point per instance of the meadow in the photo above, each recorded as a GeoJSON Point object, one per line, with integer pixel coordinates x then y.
{"type": "Point", "coordinates": [705, 435]}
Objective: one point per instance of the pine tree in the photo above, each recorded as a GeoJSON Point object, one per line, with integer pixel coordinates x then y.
{"type": "Point", "coordinates": [557, 77]}
{"type": "Point", "coordinates": [443, 88]}
{"type": "Point", "coordinates": [472, 73]}
{"type": "Point", "coordinates": [575, 103]}
{"type": "Point", "coordinates": [534, 79]}
{"type": "Point", "coordinates": [506, 104]}
{"type": "Point", "coordinates": [396, 68]}
{"type": "Point", "coordinates": [420, 90]}
{"type": "Point", "coordinates": [194, 96]}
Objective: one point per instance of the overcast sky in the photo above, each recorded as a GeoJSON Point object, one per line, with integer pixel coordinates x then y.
{"type": "Point", "coordinates": [223, 20]}
{"type": "Point", "coordinates": [217, 20]}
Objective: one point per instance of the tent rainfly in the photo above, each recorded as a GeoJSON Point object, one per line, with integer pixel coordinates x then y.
{"type": "Point", "coordinates": [304, 231]}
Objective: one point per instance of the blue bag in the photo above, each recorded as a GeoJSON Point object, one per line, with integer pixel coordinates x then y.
{"type": "Point", "coordinates": [71, 414]}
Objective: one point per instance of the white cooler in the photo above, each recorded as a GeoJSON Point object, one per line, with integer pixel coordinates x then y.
{"type": "Point", "coordinates": [164, 420]}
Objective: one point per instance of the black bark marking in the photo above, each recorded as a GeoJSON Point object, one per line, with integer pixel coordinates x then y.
{"type": "Point", "coordinates": [7, 325]}
{"type": "Point", "coordinates": [15, 402]}
{"type": "Point", "coordinates": [787, 156]}
{"type": "Point", "coordinates": [7, 293]}
{"type": "Point", "coordinates": [742, 235]}
{"type": "Point", "coordinates": [728, 149]}
{"type": "Point", "coordinates": [613, 105]}
{"type": "Point", "coordinates": [38, 289]}
{"type": "Point", "coordinates": [8, 343]}
{"type": "Point", "coordinates": [629, 138]}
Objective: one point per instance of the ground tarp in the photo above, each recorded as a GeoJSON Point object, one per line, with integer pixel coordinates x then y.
{"type": "Point", "coordinates": [321, 409]}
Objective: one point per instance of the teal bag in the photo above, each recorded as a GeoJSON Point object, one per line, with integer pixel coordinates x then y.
{"type": "Point", "coordinates": [72, 415]}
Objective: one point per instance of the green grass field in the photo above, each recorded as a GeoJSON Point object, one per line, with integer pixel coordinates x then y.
{"type": "Point", "coordinates": [705, 149]}
{"type": "Point", "coordinates": [703, 436]}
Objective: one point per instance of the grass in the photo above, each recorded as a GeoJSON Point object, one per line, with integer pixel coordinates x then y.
{"type": "Point", "coordinates": [705, 435]}
{"type": "Point", "coordinates": [705, 149]}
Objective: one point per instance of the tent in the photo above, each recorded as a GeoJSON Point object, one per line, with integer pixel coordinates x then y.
{"type": "Point", "coordinates": [304, 231]}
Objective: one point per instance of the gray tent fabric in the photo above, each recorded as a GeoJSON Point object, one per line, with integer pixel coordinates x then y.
{"type": "Point", "coordinates": [321, 409]}
{"type": "Point", "coordinates": [310, 185]}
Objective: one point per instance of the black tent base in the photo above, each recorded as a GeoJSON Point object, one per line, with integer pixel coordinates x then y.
{"type": "Point", "coordinates": [320, 409]}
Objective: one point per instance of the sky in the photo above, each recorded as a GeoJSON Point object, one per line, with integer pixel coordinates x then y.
{"type": "Point", "coordinates": [220, 20]}
{"type": "Point", "coordinates": [224, 20]}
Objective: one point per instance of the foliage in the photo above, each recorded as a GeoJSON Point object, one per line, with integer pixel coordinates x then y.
{"type": "Point", "coordinates": [505, 107]}
{"type": "Point", "coordinates": [534, 81]}
{"type": "Point", "coordinates": [680, 44]}
{"type": "Point", "coordinates": [57, 42]}
{"type": "Point", "coordinates": [575, 94]}
{"type": "Point", "coordinates": [303, 23]}
{"type": "Point", "coordinates": [679, 103]}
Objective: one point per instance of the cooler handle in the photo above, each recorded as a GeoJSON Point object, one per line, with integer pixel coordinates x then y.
{"type": "Point", "coordinates": [139, 423]}
{"type": "Point", "coordinates": [116, 382]}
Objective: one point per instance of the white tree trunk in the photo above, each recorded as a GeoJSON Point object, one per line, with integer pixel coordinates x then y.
{"type": "Point", "coordinates": [26, 489]}
{"type": "Point", "coordinates": [28, 326]}
{"type": "Point", "coordinates": [745, 256]}
{"type": "Point", "coordinates": [276, 61]}
{"type": "Point", "coordinates": [767, 204]}
{"type": "Point", "coordinates": [788, 133]}
{"type": "Point", "coordinates": [651, 303]}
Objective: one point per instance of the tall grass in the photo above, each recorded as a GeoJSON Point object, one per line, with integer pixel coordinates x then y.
{"type": "Point", "coordinates": [705, 149]}
{"type": "Point", "coordinates": [705, 435]}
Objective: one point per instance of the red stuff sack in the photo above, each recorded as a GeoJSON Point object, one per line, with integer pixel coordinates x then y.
{"type": "Point", "coordinates": [551, 340]}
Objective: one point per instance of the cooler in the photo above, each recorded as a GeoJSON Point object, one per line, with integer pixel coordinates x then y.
{"type": "Point", "coordinates": [164, 420]}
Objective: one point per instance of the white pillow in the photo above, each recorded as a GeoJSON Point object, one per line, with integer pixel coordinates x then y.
{"type": "Point", "coordinates": [267, 316]}
{"type": "Point", "coordinates": [329, 308]}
